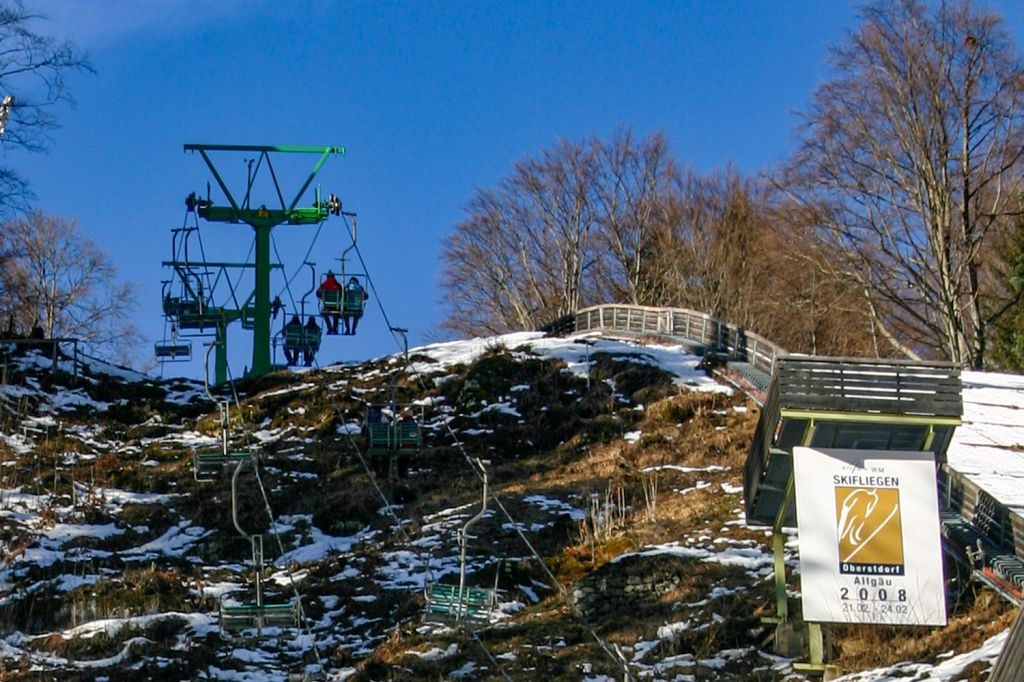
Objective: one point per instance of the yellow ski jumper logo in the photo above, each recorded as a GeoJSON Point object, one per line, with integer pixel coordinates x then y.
{"type": "Point", "coordinates": [870, 531]}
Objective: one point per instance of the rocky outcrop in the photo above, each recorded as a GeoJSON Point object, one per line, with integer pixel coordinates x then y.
{"type": "Point", "coordinates": [631, 581]}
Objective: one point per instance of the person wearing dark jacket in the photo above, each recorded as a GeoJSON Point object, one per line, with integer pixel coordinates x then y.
{"type": "Point", "coordinates": [292, 335]}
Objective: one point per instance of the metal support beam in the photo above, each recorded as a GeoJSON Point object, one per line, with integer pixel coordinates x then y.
{"type": "Point", "coordinates": [864, 418]}
{"type": "Point", "coordinates": [815, 644]}
{"type": "Point", "coordinates": [261, 318]}
{"type": "Point", "coordinates": [220, 372]}
{"type": "Point", "coordinates": [778, 555]}
{"type": "Point", "coordinates": [930, 438]}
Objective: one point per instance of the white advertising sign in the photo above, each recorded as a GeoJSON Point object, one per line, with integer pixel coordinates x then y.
{"type": "Point", "coordinates": [870, 546]}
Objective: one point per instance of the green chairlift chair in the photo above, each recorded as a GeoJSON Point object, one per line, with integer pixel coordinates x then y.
{"type": "Point", "coordinates": [173, 349]}
{"type": "Point", "coordinates": [332, 301]}
{"type": "Point", "coordinates": [191, 309]}
{"type": "Point", "coordinates": [255, 614]}
{"type": "Point", "coordinates": [302, 341]}
{"type": "Point", "coordinates": [207, 465]}
{"type": "Point", "coordinates": [354, 302]}
{"type": "Point", "coordinates": [454, 603]}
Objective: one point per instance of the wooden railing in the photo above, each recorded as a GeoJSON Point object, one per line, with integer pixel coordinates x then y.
{"type": "Point", "coordinates": [894, 387]}
{"type": "Point", "coordinates": [681, 324]}
{"type": "Point", "coordinates": [899, 387]}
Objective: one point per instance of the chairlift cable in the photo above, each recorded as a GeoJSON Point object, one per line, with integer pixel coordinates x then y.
{"type": "Point", "coordinates": [162, 364]}
{"type": "Point", "coordinates": [406, 537]}
{"type": "Point", "coordinates": [370, 284]}
{"type": "Point", "coordinates": [373, 480]}
{"type": "Point", "coordinates": [494, 496]}
{"type": "Point", "coordinates": [241, 271]}
{"type": "Point", "coordinates": [547, 571]}
{"type": "Point", "coordinates": [490, 656]}
{"type": "Point", "coordinates": [624, 665]}
{"type": "Point", "coordinates": [287, 284]}
{"type": "Point", "coordinates": [305, 258]}
{"type": "Point", "coordinates": [202, 252]}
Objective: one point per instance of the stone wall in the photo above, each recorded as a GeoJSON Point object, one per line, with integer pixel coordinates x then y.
{"type": "Point", "coordinates": [627, 583]}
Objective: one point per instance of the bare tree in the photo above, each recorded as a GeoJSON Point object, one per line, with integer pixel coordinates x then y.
{"type": "Point", "coordinates": [33, 69]}
{"type": "Point", "coordinates": [910, 156]}
{"type": "Point", "coordinates": [616, 221]}
{"type": "Point", "coordinates": [712, 252]}
{"type": "Point", "coordinates": [632, 192]}
{"type": "Point", "coordinates": [489, 283]}
{"type": "Point", "coordinates": [1003, 290]}
{"type": "Point", "coordinates": [518, 260]}
{"type": "Point", "coordinates": [59, 280]}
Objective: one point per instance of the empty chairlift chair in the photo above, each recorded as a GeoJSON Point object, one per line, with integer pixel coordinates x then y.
{"type": "Point", "coordinates": [453, 603]}
{"type": "Point", "coordinates": [256, 614]}
{"type": "Point", "coordinates": [191, 308]}
{"type": "Point", "coordinates": [173, 350]}
{"type": "Point", "coordinates": [209, 464]}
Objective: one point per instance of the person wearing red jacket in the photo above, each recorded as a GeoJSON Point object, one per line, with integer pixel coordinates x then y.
{"type": "Point", "coordinates": [330, 294]}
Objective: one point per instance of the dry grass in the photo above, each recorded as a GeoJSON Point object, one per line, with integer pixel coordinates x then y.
{"type": "Point", "coordinates": [585, 457]}
{"type": "Point", "coordinates": [860, 647]}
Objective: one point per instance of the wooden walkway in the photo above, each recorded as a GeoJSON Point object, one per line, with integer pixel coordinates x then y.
{"type": "Point", "coordinates": [981, 534]}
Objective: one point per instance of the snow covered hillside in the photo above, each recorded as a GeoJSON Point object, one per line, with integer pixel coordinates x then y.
{"type": "Point", "coordinates": [619, 541]}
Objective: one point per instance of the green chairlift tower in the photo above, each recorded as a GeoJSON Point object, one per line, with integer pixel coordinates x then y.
{"type": "Point", "coordinates": [255, 311]}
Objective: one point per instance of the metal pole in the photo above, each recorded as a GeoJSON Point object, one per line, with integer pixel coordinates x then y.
{"type": "Point", "coordinates": [778, 556]}
{"type": "Point", "coordinates": [221, 342]}
{"type": "Point", "coordinates": [261, 320]}
{"type": "Point", "coordinates": [463, 537]}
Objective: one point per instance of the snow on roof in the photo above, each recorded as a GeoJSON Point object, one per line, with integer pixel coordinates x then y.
{"type": "Point", "coordinates": [989, 446]}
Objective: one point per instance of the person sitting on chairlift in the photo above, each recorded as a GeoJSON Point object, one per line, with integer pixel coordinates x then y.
{"type": "Point", "coordinates": [355, 290]}
{"type": "Point", "coordinates": [292, 333]}
{"type": "Point", "coordinates": [374, 415]}
{"type": "Point", "coordinates": [332, 309]}
{"type": "Point", "coordinates": [312, 341]}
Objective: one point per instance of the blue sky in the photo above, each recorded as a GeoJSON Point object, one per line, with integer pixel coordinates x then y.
{"type": "Point", "coordinates": [431, 99]}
